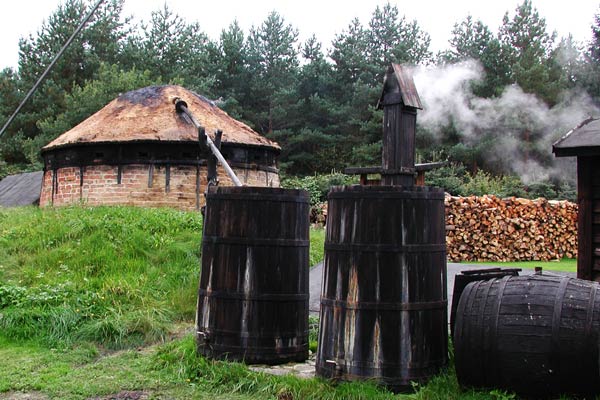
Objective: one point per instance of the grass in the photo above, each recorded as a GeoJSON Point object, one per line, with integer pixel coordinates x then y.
{"type": "Point", "coordinates": [564, 265]}
{"type": "Point", "coordinates": [317, 245]}
{"type": "Point", "coordinates": [117, 276]}
{"type": "Point", "coordinates": [93, 301]}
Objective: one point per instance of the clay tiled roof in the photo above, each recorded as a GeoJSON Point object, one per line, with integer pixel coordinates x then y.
{"type": "Point", "coordinates": [148, 114]}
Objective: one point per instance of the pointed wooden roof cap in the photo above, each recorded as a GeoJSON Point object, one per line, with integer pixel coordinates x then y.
{"type": "Point", "coordinates": [398, 85]}
{"type": "Point", "coordinates": [148, 114]}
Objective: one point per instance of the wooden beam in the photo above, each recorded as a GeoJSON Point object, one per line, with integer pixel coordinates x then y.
{"type": "Point", "coordinates": [585, 170]}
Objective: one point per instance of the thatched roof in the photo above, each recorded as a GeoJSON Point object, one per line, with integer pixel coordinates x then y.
{"type": "Point", "coordinates": [148, 114]}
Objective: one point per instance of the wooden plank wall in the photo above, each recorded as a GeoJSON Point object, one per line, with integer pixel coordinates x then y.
{"type": "Point", "coordinates": [595, 178]}
{"type": "Point", "coordinates": [588, 202]}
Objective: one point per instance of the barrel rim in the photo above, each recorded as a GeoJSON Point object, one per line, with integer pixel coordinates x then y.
{"type": "Point", "coordinates": [386, 192]}
{"type": "Point", "coordinates": [349, 246]}
{"type": "Point", "coordinates": [386, 188]}
{"type": "Point", "coordinates": [253, 241]}
{"type": "Point", "coordinates": [256, 190]}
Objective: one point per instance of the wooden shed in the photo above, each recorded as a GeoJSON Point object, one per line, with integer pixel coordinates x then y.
{"type": "Point", "coordinates": [583, 142]}
{"type": "Point", "coordinates": [138, 150]}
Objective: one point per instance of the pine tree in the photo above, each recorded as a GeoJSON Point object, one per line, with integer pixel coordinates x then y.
{"type": "Point", "coordinates": [590, 75]}
{"type": "Point", "coordinates": [568, 61]}
{"type": "Point", "coordinates": [273, 64]}
{"type": "Point", "coordinates": [350, 54]}
{"type": "Point", "coordinates": [99, 40]}
{"type": "Point", "coordinates": [173, 49]}
{"type": "Point", "coordinates": [395, 40]}
{"type": "Point", "coordinates": [308, 144]}
{"type": "Point", "coordinates": [228, 64]}
{"type": "Point", "coordinates": [473, 40]}
{"type": "Point", "coordinates": [530, 48]}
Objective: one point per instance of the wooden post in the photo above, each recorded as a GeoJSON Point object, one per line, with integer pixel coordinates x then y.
{"type": "Point", "coordinates": [400, 102]}
{"type": "Point", "coordinates": [584, 219]}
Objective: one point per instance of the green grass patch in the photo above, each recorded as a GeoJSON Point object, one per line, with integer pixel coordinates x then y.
{"type": "Point", "coordinates": [317, 245]}
{"type": "Point", "coordinates": [90, 299]}
{"type": "Point", "coordinates": [564, 265]}
{"type": "Point", "coordinates": [81, 372]}
{"type": "Point", "coordinates": [181, 359]}
{"type": "Point", "coordinates": [118, 276]}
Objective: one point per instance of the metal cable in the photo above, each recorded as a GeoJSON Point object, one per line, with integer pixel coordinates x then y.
{"type": "Point", "coordinates": [43, 76]}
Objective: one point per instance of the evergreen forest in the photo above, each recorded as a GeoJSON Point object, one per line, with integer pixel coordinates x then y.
{"type": "Point", "coordinates": [494, 101]}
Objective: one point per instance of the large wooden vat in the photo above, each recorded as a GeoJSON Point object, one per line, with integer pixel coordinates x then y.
{"type": "Point", "coordinates": [535, 335]}
{"type": "Point", "coordinates": [384, 300]}
{"type": "Point", "coordinates": [253, 296]}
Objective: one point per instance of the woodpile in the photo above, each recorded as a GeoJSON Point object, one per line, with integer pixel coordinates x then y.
{"type": "Point", "coordinates": [488, 228]}
{"type": "Point", "coordinates": [318, 214]}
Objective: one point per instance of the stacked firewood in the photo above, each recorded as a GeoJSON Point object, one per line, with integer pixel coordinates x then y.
{"type": "Point", "coordinates": [318, 214]}
{"type": "Point", "coordinates": [488, 228]}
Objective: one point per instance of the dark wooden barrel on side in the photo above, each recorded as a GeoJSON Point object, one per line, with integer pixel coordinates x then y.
{"type": "Point", "coordinates": [465, 277]}
{"type": "Point", "coordinates": [535, 335]}
{"type": "Point", "coordinates": [384, 301]}
{"type": "Point", "coordinates": [253, 296]}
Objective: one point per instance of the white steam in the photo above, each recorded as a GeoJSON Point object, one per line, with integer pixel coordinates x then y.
{"type": "Point", "coordinates": [519, 128]}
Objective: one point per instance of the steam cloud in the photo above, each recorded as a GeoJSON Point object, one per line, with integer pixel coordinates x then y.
{"type": "Point", "coordinates": [447, 98]}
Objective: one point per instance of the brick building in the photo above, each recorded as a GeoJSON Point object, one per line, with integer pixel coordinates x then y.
{"type": "Point", "coordinates": [138, 150]}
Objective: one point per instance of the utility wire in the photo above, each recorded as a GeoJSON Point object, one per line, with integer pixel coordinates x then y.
{"type": "Point", "coordinates": [58, 55]}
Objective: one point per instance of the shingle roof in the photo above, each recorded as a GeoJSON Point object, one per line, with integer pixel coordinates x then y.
{"type": "Point", "coordinates": [21, 190]}
{"type": "Point", "coordinates": [148, 114]}
{"type": "Point", "coordinates": [399, 78]}
{"type": "Point", "coordinates": [583, 140]}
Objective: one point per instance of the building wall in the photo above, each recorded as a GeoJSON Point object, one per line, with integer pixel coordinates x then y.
{"type": "Point", "coordinates": [141, 185]}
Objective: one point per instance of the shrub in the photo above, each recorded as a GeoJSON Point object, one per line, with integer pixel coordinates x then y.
{"type": "Point", "coordinates": [451, 178]}
{"type": "Point", "coordinates": [541, 189]}
{"type": "Point", "coordinates": [484, 183]}
{"type": "Point", "coordinates": [318, 185]}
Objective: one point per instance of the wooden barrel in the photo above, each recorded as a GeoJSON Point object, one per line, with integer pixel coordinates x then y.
{"type": "Point", "coordinates": [465, 277]}
{"type": "Point", "coordinates": [535, 335]}
{"type": "Point", "coordinates": [384, 301]}
{"type": "Point", "coordinates": [253, 296]}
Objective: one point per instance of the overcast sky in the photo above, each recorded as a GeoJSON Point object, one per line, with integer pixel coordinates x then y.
{"type": "Point", "coordinates": [325, 18]}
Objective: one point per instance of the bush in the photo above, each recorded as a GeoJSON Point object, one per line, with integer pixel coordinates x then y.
{"type": "Point", "coordinates": [451, 178]}
{"type": "Point", "coordinates": [484, 183]}
{"type": "Point", "coordinates": [318, 185]}
{"type": "Point", "coordinates": [308, 183]}
{"type": "Point", "coordinates": [553, 190]}
{"type": "Point", "coordinates": [542, 189]}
